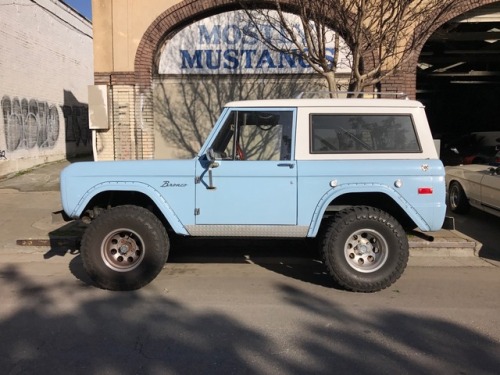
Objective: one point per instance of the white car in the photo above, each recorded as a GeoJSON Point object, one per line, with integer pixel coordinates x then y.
{"type": "Point", "coordinates": [473, 185]}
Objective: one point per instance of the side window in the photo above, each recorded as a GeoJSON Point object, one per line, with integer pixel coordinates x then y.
{"type": "Point", "coordinates": [255, 135]}
{"type": "Point", "coordinates": [363, 134]}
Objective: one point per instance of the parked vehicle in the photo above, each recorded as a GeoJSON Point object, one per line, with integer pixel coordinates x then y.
{"type": "Point", "coordinates": [473, 185]}
{"type": "Point", "coordinates": [354, 173]}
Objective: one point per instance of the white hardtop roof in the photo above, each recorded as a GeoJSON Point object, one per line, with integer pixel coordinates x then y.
{"type": "Point", "coordinates": [275, 103]}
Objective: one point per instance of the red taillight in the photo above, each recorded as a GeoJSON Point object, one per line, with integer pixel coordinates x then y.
{"type": "Point", "coordinates": [425, 190]}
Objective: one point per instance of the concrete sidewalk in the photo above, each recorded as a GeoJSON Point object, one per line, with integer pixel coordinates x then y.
{"type": "Point", "coordinates": [31, 223]}
{"type": "Point", "coordinates": [30, 201]}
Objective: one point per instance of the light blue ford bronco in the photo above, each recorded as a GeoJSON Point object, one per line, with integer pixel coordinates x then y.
{"type": "Point", "coordinates": [354, 173]}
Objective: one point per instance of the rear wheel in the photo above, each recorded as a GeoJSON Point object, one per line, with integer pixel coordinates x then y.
{"type": "Point", "coordinates": [124, 248]}
{"type": "Point", "coordinates": [365, 249]}
{"type": "Point", "coordinates": [457, 199]}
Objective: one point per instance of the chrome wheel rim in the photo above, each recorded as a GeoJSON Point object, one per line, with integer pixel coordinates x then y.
{"type": "Point", "coordinates": [366, 250]}
{"type": "Point", "coordinates": [123, 250]}
{"type": "Point", "coordinates": [454, 197]}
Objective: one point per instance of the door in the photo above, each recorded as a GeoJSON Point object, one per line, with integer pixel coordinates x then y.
{"type": "Point", "coordinates": [252, 179]}
{"type": "Point", "coordinates": [490, 189]}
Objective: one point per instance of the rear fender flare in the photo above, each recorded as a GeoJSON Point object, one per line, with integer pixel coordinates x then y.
{"type": "Point", "coordinates": [362, 188]}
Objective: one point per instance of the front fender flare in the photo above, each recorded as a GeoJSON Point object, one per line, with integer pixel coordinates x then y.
{"type": "Point", "coordinates": [140, 187]}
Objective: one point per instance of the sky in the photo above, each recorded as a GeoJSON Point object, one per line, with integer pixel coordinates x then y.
{"type": "Point", "coordinates": [81, 6]}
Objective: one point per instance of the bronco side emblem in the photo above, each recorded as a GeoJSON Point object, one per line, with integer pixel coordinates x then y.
{"type": "Point", "coordinates": [169, 184]}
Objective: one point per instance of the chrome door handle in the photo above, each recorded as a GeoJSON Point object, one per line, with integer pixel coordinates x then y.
{"type": "Point", "coordinates": [289, 165]}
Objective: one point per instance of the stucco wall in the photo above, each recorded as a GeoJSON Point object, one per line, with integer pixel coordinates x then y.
{"type": "Point", "coordinates": [120, 26]}
{"type": "Point", "coordinates": [185, 108]}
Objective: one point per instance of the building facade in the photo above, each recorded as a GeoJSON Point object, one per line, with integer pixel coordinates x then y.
{"type": "Point", "coordinates": [151, 110]}
{"type": "Point", "coordinates": [46, 64]}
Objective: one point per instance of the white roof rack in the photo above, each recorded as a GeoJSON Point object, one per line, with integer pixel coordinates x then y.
{"type": "Point", "coordinates": [358, 94]}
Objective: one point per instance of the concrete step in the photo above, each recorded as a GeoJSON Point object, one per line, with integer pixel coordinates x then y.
{"type": "Point", "coordinates": [443, 243]}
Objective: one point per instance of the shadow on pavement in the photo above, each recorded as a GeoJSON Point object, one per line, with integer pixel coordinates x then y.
{"type": "Point", "coordinates": [59, 327]}
{"type": "Point", "coordinates": [65, 239]}
{"type": "Point", "coordinates": [484, 228]}
{"type": "Point", "coordinates": [297, 259]}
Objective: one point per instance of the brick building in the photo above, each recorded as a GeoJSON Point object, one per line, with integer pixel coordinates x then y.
{"type": "Point", "coordinates": [146, 107]}
{"type": "Point", "coordinates": [46, 64]}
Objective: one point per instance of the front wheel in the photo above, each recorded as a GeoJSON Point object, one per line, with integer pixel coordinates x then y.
{"type": "Point", "coordinates": [365, 249]}
{"type": "Point", "coordinates": [124, 248]}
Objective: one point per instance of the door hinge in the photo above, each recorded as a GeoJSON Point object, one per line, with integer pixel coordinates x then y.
{"type": "Point", "coordinates": [197, 180]}
{"type": "Point", "coordinates": [196, 212]}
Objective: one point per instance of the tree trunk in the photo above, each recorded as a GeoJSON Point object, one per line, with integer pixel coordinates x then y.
{"type": "Point", "coordinates": [332, 84]}
{"type": "Point", "coordinates": [355, 89]}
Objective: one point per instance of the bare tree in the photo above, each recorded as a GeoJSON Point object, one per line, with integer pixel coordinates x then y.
{"type": "Point", "coordinates": [308, 34]}
{"type": "Point", "coordinates": [380, 34]}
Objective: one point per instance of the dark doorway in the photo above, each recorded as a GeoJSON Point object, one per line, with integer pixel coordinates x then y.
{"type": "Point", "coordinates": [458, 77]}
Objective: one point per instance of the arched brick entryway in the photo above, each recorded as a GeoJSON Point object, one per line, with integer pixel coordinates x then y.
{"type": "Point", "coordinates": [169, 21]}
{"type": "Point", "coordinates": [188, 11]}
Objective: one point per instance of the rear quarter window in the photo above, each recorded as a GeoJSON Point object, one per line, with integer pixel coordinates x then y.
{"type": "Point", "coordinates": [365, 133]}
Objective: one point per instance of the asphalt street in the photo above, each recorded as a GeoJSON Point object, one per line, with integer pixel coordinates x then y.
{"type": "Point", "coordinates": [246, 317]}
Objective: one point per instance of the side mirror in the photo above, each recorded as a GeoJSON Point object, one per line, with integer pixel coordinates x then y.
{"type": "Point", "coordinates": [211, 155]}
{"type": "Point", "coordinates": [211, 158]}
{"type": "Point", "coordinates": [212, 164]}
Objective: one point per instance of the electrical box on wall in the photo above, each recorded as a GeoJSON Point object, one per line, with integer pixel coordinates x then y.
{"type": "Point", "coordinates": [98, 107]}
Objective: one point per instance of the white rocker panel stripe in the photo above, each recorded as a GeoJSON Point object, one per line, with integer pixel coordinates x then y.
{"type": "Point", "coordinates": [292, 231]}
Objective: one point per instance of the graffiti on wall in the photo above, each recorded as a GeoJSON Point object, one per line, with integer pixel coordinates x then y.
{"type": "Point", "coordinates": [77, 124]}
{"type": "Point", "coordinates": [31, 123]}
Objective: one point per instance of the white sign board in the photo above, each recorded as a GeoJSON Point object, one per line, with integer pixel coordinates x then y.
{"type": "Point", "coordinates": [229, 43]}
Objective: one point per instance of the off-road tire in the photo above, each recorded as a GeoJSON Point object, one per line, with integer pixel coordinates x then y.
{"type": "Point", "coordinates": [365, 249]}
{"type": "Point", "coordinates": [124, 248]}
{"type": "Point", "coordinates": [457, 199]}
